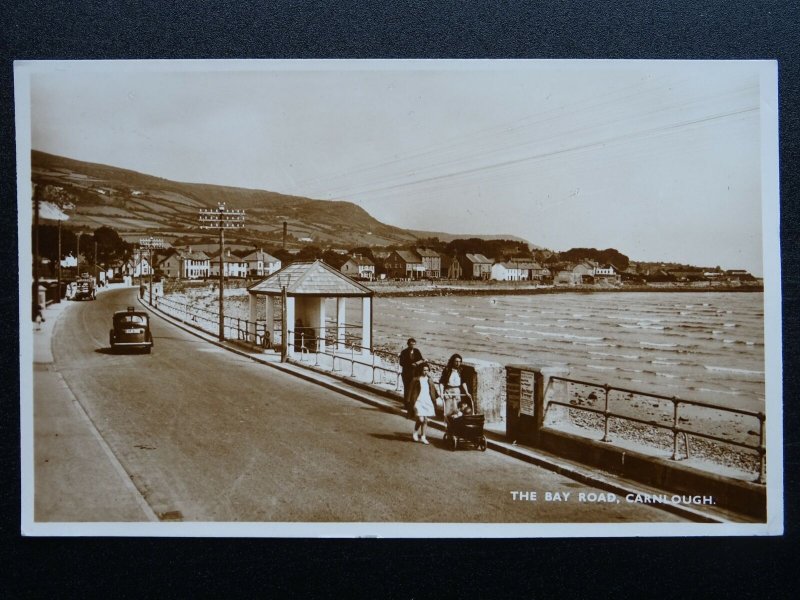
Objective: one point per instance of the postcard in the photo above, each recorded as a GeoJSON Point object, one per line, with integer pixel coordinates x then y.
{"type": "Point", "coordinates": [399, 298]}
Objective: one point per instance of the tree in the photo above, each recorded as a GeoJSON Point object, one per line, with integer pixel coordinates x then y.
{"type": "Point", "coordinates": [110, 246]}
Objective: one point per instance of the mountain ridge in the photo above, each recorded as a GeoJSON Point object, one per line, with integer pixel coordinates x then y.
{"type": "Point", "coordinates": [137, 204]}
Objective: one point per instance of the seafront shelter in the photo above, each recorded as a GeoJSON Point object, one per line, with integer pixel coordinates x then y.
{"type": "Point", "coordinates": [307, 286]}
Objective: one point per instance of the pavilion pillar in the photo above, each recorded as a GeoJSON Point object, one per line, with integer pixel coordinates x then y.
{"type": "Point", "coordinates": [269, 325]}
{"type": "Point", "coordinates": [366, 325]}
{"type": "Point", "coordinates": [290, 326]}
{"type": "Point", "coordinates": [340, 322]}
{"type": "Point", "coordinates": [321, 326]}
{"type": "Point", "coordinates": [251, 321]}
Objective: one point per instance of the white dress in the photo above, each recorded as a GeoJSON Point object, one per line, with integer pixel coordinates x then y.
{"type": "Point", "coordinates": [423, 407]}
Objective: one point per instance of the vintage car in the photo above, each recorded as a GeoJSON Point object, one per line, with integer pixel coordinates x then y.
{"type": "Point", "coordinates": [131, 330]}
{"type": "Point", "coordinates": [84, 288]}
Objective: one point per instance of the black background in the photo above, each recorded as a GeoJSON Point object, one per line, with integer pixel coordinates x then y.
{"type": "Point", "coordinates": [647, 29]}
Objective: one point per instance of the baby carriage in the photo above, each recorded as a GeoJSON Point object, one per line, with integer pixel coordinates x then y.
{"type": "Point", "coordinates": [466, 428]}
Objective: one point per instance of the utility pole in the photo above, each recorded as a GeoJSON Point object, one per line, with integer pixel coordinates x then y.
{"type": "Point", "coordinates": [78, 256]}
{"type": "Point", "coordinates": [150, 243]}
{"type": "Point", "coordinates": [58, 295]}
{"type": "Point", "coordinates": [221, 219]}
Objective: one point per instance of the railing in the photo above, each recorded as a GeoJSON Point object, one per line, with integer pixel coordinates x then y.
{"type": "Point", "coordinates": [671, 423]}
{"type": "Point", "coordinates": [345, 356]}
{"type": "Point", "coordinates": [384, 365]}
{"type": "Point", "coordinates": [208, 321]}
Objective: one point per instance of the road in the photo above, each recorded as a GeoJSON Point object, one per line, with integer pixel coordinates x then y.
{"type": "Point", "coordinates": [207, 435]}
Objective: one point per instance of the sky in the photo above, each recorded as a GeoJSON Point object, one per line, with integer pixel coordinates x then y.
{"type": "Point", "coordinates": [662, 160]}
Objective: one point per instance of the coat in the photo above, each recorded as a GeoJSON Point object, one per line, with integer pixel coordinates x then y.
{"type": "Point", "coordinates": [415, 390]}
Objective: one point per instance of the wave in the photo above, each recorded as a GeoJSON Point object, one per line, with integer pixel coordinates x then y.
{"type": "Point", "coordinates": [570, 336]}
{"type": "Point", "coordinates": [612, 355]}
{"type": "Point", "coordinates": [657, 345]}
{"type": "Point", "coordinates": [733, 370]}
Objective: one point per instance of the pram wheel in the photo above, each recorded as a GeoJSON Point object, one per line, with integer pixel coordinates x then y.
{"type": "Point", "coordinates": [453, 442]}
{"type": "Point", "coordinates": [482, 444]}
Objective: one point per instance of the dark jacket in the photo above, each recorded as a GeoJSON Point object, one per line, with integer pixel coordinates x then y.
{"type": "Point", "coordinates": [407, 359]}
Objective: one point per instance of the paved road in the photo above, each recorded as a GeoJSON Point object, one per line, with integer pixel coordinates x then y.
{"type": "Point", "coordinates": [207, 435]}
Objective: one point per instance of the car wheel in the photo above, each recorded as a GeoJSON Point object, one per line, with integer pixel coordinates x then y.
{"type": "Point", "coordinates": [482, 444]}
{"type": "Point", "coordinates": [453, 442]}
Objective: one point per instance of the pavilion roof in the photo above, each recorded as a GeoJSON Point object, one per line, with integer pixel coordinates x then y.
{"type": "Point", "coordinates": [309, 279]}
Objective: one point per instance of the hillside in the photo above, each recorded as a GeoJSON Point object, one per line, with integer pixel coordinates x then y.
{"type": "Point", "coordinates": [137, 204]}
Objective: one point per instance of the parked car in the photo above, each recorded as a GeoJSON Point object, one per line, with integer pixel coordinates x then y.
{"type": "Point", "coordinates": [131, 329]}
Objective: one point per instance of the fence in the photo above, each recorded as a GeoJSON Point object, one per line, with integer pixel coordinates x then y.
{"type": "Point", "coordinates": [208, 320]}
{"type": "Point", "coordinates": [676, 417]}
{"type": "Point", "coordinates": [344, 355]}
{"type": "Point", "coordinates": [382, 365]}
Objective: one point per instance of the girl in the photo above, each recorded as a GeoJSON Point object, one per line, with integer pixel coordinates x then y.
{"type": "Point", "coordinates": [422, 396]}
{"type": "Point", "coordinates": [453, 386]}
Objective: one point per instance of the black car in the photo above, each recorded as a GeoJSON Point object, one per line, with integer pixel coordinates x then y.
{"type": "Point", "coordinates": [131, 330]}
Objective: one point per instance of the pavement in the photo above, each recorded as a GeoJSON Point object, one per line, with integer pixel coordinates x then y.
{"type": "Point", "coordinates": [71, 457]}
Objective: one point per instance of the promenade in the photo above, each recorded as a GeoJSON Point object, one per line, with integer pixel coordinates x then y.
{"type": "Point", "coordinates": [71, 456]}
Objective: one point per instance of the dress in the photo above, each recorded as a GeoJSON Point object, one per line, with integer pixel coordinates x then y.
{"type": "Point", "coordinates": [452, 387]}
{"type": "Point", "coordinates": [423, 406]}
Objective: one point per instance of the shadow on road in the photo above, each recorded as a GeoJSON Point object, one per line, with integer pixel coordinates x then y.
{"type": "Point", "coordinates": [393, 437]}
{"type": "Point", "coordinates": [406, 438]}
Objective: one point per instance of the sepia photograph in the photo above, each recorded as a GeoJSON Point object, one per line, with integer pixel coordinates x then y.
{"type": "Point", "coordinates": [399, 298]}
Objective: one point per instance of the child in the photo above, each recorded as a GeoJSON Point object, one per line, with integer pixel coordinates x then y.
{"type": "Point", "coordinates": [422, 397]}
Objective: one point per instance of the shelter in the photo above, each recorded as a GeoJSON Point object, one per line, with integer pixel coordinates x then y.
{"type": "Point", "coordinates": [307, 286]}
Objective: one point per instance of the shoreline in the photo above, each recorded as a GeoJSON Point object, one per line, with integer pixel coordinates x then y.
{"type": "Point", "coordinates": [411, 289]}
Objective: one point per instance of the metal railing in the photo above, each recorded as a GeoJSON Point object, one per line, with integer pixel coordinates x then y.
{"type": "Point", "coordinates": [208, 321]}
{"type": "Point", "coordinates": [347, 355]}
{"type": "Point", "coordinates": [674, 426]}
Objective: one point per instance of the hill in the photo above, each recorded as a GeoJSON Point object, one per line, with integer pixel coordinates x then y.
{"type": "Point", "coordinates": [137, 204]}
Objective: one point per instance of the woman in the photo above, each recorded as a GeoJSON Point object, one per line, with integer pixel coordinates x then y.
{"type": "Point", "coordinates": [453, 386]}
{"type": "Point", "coordinates": [422, 397]}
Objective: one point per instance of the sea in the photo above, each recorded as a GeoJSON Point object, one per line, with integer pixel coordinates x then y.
{"type": "Point", "coordinates": [705, 346]}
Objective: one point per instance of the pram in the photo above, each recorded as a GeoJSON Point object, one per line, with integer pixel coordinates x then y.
{"type": "Point", "coordinates": [466, 428]}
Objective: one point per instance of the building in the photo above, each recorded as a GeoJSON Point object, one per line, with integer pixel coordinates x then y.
{"type": "Point", "coordinates": [431, 261]}
{"type": "Point", "coordinates": [261, 264]}
{"type": "Point", "coordinates": [359, 267]}
{"type": "Point", "coordinates": [138, 265]}
{"type": "Point", "coordinates": [607, 273]}
{"type": "Point", "coordinates": [506, 271]}
{"type": "Point", "coordinates": [404, 264]}
{"type": "Point", "coordinates": [233, 266]}
{"type": "Point", "coordinates": [475, 266]}
{"type": "Point", "coordinates": [577, 274]}
{"type": "Point", "coordinates": [451, 268]}
{"type": "Point", "coordinates": [184, 263]}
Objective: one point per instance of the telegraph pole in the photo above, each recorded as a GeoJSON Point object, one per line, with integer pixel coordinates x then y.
{"type": "Point", "coordinates": [58, 296]}
{"type": "Point", "coordinates": [150, 243]}
{"type": "Point", "coordinates": [221, 219]}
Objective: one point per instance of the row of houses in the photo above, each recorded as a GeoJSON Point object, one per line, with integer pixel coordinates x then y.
{"type": "Point", "coordinates": [424, 263]}
{"type": "Point", "coordinates": [185, 263]}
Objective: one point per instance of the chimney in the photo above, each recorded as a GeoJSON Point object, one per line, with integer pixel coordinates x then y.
{"type": "Point", "coordinates": [284, 235]}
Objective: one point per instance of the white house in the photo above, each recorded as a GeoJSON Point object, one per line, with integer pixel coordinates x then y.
{"type": "Point", "coordinates": [261, 264]}
{"type": "Point", "coordinates": [233, 266]}
{"type": "Point", "coordinates": [506, 271]}
{"type": "Point", "coordinates": [185, 264]}
{"type": "Point", "coordinates": [359, 267]}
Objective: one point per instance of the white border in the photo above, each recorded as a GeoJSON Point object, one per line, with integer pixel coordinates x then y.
{"type": "Point", "coordinates": [772, 320]}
